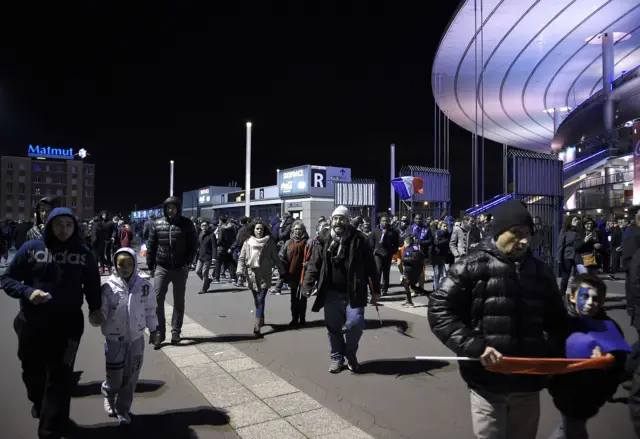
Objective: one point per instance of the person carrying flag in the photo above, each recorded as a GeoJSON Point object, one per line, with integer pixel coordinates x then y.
{"type": "Point", "coordinates": [501, 301]}
{"type": "Point", "coordinates": [593, 334]}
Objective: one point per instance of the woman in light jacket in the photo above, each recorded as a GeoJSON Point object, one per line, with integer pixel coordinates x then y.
{"type": "Point", "coordinates": [258, 257]}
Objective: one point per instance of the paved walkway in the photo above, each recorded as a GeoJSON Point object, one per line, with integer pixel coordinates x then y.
{"type": "Point", "coordinates": [221, 382]}
{"type": "Point", "coordinates": [260, 404]}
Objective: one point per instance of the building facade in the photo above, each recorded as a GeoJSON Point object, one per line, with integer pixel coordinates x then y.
{"type": "Point", "coordinates": [24, 180]}
{"type": "Point", "coordinates": [306, 192]}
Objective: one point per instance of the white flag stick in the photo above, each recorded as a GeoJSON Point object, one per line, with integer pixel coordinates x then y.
{"type": "Point", "coordinates": [422, 358]}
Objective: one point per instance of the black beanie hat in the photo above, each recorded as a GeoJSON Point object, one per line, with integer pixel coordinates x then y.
{"type": "Point", "coordinates": [509, 214]}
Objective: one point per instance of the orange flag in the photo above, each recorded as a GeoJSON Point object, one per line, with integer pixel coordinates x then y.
{"type": "Point", "coordinates": [550, 366]}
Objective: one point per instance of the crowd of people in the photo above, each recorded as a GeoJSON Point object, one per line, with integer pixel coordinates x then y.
{"type": "Point", "coordinates": [493, 297]}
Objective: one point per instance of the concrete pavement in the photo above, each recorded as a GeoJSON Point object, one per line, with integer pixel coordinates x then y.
{"type": "Point", "coordinates": [279, 386]}
{"type": "Point", "coordinates": [394, 396]}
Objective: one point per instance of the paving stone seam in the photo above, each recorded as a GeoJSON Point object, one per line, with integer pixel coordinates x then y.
{"type": "Point", "coordinates": [196, 327]}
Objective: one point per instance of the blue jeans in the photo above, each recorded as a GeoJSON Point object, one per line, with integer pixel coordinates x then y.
{"type": "Point", "coordinates": [259, 299]}
{"type": "Point", "coordinates": [338, 313]}
{"type": "Point", "coordinates": [439, 272]}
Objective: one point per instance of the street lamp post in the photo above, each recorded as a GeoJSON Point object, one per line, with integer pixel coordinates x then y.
{"type": "Point", "coordinates": [393, 175]}
{"type": "Point", "coordinates": [247, 177]}
{"type": "Point", "coordinates": [171, 178]}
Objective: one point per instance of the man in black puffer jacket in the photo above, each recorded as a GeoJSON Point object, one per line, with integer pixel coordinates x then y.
{"type": "Point", "coordinates": [500, 300]}
{"type": "Point", "coordinates": [172, 245]}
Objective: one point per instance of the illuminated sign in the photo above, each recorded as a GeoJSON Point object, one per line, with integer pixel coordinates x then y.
{"type": "Point", "coordinates": [205, 196]}
{"type": "Point", "coordinates": [55, 153]}
{"type": "Point", "coordinates": [311, 180]}
{"type": "Point", "coordinates": [293, 182]}
{"type": "Point", "coordinates": [144, 214]}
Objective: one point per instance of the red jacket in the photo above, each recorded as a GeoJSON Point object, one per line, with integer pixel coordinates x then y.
{"type": "Point", "coordinates": [126, 236]}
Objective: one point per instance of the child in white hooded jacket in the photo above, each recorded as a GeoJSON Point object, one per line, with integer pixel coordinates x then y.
{"type": "Point", "coordinates": [129, 306]}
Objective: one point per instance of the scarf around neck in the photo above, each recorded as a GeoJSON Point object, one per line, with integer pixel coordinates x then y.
{"type": "Point", "coordinates": [256, 246]}
{"type": "Point", "coordinates": [296, 256]}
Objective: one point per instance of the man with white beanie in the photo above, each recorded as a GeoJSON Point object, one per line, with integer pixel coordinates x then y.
{"type": "Point", "coordinates": [342, 266]}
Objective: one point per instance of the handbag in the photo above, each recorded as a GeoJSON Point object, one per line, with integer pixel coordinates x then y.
{"type": "Point", "coordinates": [589, 260]}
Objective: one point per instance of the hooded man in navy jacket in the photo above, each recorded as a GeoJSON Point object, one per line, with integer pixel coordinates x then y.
{"type": "Point", "coordinates": [50, 276]}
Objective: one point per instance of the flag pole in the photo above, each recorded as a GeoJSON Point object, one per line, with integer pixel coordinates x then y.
{"type": "Point", "coordinates": [431, 358]}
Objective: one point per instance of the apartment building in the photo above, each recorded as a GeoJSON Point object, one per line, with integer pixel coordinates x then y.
{"type": "Point", "coordinates": [24, 180]}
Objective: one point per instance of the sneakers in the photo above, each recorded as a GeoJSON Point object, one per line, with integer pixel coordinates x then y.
{"type": "Point", "coordinates": [175, 338]}
{"type": "Point", "coordinates": [256, 327]}
{"type": "Point", "coordinates": [611, 277]}
{"type": "Point", "coordinates": [124, 418]}
{"type": "Point", "coordinates": [408, 305]}
{"type": "Point", "coordinates": [336, 367]}
{"type": "Point", "coordinates": [352, 364]}
{"type": "Point", "coordinates": [109, 407]}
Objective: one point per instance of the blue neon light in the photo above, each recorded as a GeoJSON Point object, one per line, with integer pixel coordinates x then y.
{"type": "Point", "coordinates": [490, 205]}
{"type": "Point", "coordinates": [47, 151]}
{"type": "Point", "coordinates": [570, 165]}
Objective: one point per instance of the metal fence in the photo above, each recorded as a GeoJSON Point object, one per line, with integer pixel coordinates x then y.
{"type": "Point", "coordinates": [359, 196]}
{"type": "Point", "coordinates": [436, 199]}
{"type": "Point", "coordinates": [544, 242]}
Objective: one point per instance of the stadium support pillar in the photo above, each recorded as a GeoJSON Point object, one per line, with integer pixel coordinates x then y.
{"type": "Point", "coordinates": [607, 77]}
{"type": "Point", "coordinates": [556, 119]}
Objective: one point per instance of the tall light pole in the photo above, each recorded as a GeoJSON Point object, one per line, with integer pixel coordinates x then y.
{"type": "Point", "coordinates": [247, 177]}
{"type": "Point", "coordinates": [171, 178]}
{"type": "Point", "coordinates": [393, 175]}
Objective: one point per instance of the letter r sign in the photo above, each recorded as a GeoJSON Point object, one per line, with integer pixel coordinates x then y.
{"type": "Point", "coordinates": [319, 178]}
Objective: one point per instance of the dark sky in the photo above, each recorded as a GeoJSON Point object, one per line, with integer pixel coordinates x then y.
{"type": "Point", "coordinates": [138, 87]}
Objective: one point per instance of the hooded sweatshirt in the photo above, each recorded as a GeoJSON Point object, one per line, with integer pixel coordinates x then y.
{"type": "Point", "coordinates": [35, 232]}
{"type": "Point", "coordinates": [66, 270]}
{"type": "Point", "coordinates": [129, 305]}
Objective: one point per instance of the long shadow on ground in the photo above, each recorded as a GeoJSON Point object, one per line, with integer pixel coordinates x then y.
{"type": "Point", "coordinates": [399, 367]}
{"type": "Point", "coordinates": [401, 326]}
{"type": "Point", "coordinates": [173, 424]}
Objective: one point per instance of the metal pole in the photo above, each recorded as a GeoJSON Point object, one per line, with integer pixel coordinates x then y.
{"type": "Point", "coordinates": [505, 162]}
{"type": "Point", "coordinates": [475, 102]}
{"type": "Point", "coordinates": [435, 116]}
{"type": "Point", "coordinates": [482, 89]}
{"type": "Point", "coordinates": [444, 140]}
{"type": "Point", "coordinates": [393, 175]}
{"type": "Point", "coordinates": [607, 77]}
{"type": "Point", "coordinates": [448, 141]}
{"type": "Point", "coordinates": [556, 119]}
{"type": "Point", "coordinates": [247, 176]}
{"type": "Point", "coordinates": [439, 156]}
{"type": "Point", "coordinates": [171, 178]}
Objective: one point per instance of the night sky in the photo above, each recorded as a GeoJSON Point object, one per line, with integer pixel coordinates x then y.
{"type": "Point", "coordinates": [138, 87]}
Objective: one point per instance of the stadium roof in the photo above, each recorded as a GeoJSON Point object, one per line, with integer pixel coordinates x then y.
{"type": "Point", "coordinates": [538, 55]}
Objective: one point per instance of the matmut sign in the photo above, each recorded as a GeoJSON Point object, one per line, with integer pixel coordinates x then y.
{"type": "Point", "coordinates": [49, 152]}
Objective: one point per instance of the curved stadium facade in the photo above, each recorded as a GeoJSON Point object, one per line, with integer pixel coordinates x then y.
{"type": "Point", "coordinates": [553, 77]}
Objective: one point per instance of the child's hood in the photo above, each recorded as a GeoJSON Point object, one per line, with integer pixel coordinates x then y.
{"type": "Point", "coordinates": [131, 253]}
